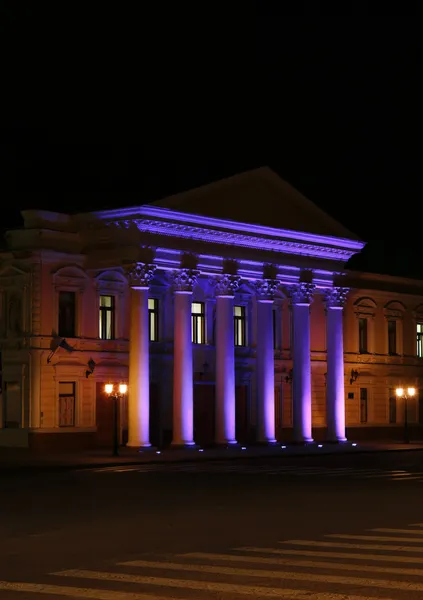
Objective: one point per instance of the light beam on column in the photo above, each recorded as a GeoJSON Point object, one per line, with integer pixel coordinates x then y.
{"type": "Point", "coordinates": [139, 277]}
{"type": "Point", "coordinates": [184, 281]}
{"type": "Point", "coordinates": [301, 297]}
{"type": "Point", "coordinates": [335, 385]}
{"type": "Point", "coordinates": [265, 361]}
{"type": "Point", "coordinates": [225, 288]}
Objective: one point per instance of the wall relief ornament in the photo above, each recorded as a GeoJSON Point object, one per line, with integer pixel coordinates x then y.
{"type": "Point", "coordinates": [336, 297]}
{"type": "Point", "coordinates": [184, 280]}
{"type": "Point", "coordinates": [226, 285]}
{"type": "Point", "coordinates": [266, 288]}
{"type": "Point", "coordinates": [301, 293]}
{"type": "Point", "coordinates": [140, 274]}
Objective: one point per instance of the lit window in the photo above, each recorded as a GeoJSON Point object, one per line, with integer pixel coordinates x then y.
{"type": "Point", "coordinates": [420, 340]}
{"type": "Point", "coordinates": [239, 324]}
{"type": "Point", "coordinates": [362, 336]}
{"type": "Point", "coordinates": [363, 405]}
{"type": "Point", "coordinates": [198, 320]}
{"type": "Point", "coordinates": [66, 404]}
{"type": "Point", "coordinates": [153, 319]}
{"type": "Point", "coordinates": [392, 337]}
{"type": "Point", "coordinates": [107, 318]}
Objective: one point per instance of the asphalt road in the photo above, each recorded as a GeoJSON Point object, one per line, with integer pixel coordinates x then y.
{"type": "Point", "coordinates": [328, 528]}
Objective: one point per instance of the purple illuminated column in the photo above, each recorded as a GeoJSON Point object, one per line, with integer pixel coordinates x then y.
{"type": "Point", "coordinates": [301, 296]}
{"type": "Point", "coordinates": [265, 362]}
{"type": "Point", "coordinates": [183, 405]}
{"type": "Point", "coordinates": [225, 359]}
{"type": "Point", "coordinates": [139, 277]}
{"type": "Point", "coordinates": [335, 390]}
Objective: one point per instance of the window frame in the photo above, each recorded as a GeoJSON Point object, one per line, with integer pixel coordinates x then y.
{"type": "Point", "coordinates": [240, 320]}
{"type": "Point", "coordinates": [364, 421]}
{"type": "Point", "coordinates": [60, 331]}
{"type": "Point", "coordinates": [419, 339]}
{"type": "Point", "coordinates": [154, 314]}
{"type": "Point", "coordinates": [198, 323]}
{"type": "Point", "coordinates": [363, 349]}
{"type": "Point", "coordinates": [103, 310]}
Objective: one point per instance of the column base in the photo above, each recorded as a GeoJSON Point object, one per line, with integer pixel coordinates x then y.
{"type": "Point", "coordinates": [267, 443]}
{"type": "Point", "coordinates": [337, 441]}
{"type": "Point", "coordinates": [139, 445]}
{"type": "Point", "coordinates": [303, 442]}
{"type": "Point", "coordinates": [184, 446]}
{"type": "Point", "coordinates": [227, 444]}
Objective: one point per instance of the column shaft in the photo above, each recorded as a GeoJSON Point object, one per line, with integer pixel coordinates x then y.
{"type": "Point", "coordinates": [302, 420]}
{"type": "Point", "coordinates": [225, 371]}
{"type": "Point", "coordinates": [335, 386]}
{"type": "Point", "coordinates": [183, 410]}
{"type": "Point", "coordinates": [139, 371]}
{"type": "Point", "coordinates": [265, 373]}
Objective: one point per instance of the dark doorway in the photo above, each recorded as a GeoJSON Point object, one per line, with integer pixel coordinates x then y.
{"type": "Point", "coordinates": [204, 414]}
{"type": "Point", "coordinates": [241, 414]}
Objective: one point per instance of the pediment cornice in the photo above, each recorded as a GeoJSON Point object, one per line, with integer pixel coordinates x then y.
{"type": "Point", "coordinates": [269, 239]}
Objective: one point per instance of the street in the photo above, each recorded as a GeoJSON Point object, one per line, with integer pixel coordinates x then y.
{"type": "Point", "coordinates": [320, 528]}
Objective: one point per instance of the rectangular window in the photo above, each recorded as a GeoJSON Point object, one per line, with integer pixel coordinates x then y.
{"type": "Point", "coordinates": [67, 314]}
{"type": "Point", "coordinates": [392, 406]}
{"type": "Point", "coordinates": [107, 318]}
{"type": "Point", "coordinates": [363, 405]}
{"type": "Point", "coordinates": [198, 320]}
{"type": "Point", "coordinates": [392, 337]}
{"type": "Point", "coordinates": [153, 319]}
{"type": "Point", "coordinates": [420, 340]}
{"type": "Point", "coordinates": [240, 326]}
{"type": "Point", "coordinates": [362, 336]}
{"type": "Point", "coordinates": [66, 404]}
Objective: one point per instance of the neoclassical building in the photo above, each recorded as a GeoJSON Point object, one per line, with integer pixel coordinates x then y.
{"type": "Point", "coordinates": [228, 310]}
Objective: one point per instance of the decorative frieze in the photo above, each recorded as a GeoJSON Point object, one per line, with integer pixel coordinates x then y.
{"type": "Point", "coordinates": [335, 297]}
{"type": "Point", "coordinates": [140, 274]}
{"type": "Point", "coordinates": [266, 288]}
{"type": "Point", "coordinates": [184, 280]}
{"type": "Point", "coordinates": [301, 293]}
{"type": "Point", "coordinates": [226, 285]}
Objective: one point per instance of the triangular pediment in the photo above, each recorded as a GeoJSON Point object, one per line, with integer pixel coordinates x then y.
{"type": "Point", "coordinates": [258, 197]}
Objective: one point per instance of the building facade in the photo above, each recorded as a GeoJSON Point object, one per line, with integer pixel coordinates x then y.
{"type": "Point", "coordinates": [225, 330]}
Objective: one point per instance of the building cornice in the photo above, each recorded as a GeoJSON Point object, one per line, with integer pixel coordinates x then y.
{"type": "Point", "coordinates": [170, 223]}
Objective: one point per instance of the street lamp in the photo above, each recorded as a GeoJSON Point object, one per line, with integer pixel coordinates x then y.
{"type": "Point", "coordinates": [116, 393]}
{"type": "Point", "coordinates": [406, 394]}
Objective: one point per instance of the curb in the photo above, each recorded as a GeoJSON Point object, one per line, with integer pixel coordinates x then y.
{"type": "Point", "coordinates": [27, 468]}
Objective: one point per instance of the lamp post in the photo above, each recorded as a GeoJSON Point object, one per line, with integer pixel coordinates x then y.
{"type": "Point", "coordinates": [406, 394]}
{"type": "Point", "coordinates": [115, 393]}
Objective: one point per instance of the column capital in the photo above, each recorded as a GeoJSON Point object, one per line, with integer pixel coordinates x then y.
{"type": "Point", "coordinates": [140, 274]}
{"type": "Point", "coordinates": [266, 288]}
{"type": "Point", "coordinates": [301, 293]}
{"type": "Point", "coordinates": [184, 280]}
{"type": "Point", "coordinates": [226, 284]}
{"type": "Point", "coordinates": [335, 297]}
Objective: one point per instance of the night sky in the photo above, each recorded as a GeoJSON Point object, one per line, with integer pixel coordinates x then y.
{"type": "Point", "coordinates": [330, 102]}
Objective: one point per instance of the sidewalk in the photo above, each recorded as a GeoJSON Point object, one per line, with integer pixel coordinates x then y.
{"type": "Point", "coordinates": [21, 459]}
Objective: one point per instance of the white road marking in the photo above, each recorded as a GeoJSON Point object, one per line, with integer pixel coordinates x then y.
{"type": "Point", "coordinates": [225, 587]}
{"type": "Point", "coordinates": [309, 564]}
{"type": "Point", "coordinates": [328, 554]}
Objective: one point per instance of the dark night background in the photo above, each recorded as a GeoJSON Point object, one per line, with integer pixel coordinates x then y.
{"type": "Point", "coordinates": [331, 102]}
